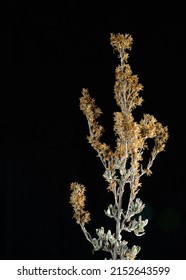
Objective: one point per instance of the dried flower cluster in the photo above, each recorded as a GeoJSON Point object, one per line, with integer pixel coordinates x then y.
{"type": "Point", "coordinates": [77, 201]}
{"type": "Point", "coordinates": [126, 160]}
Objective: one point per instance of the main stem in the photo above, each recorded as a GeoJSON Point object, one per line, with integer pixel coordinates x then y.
{"type": "Point", "coordinates": [118, 220]}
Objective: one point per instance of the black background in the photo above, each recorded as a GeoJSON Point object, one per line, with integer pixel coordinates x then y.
{"type": "Point", "coordinates": [48, 53]}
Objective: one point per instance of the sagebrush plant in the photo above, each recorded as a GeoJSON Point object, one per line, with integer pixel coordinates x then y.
{"type": "Point", "coordinates": [124, 166]}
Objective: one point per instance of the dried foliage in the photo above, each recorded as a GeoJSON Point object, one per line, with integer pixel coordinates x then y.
{"type": "Point", "coordinates": [124, 165]}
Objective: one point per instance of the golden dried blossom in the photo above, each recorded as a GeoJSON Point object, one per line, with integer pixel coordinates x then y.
{"type": "Point", "coordinates": [120, 41]}
{"type": "Point", "coordinates": [148, 126]}
{"type": "Point", "coordinates": [92, 112]}
{"type": "Point", "coordinates": [127, 86]}
{"type": "Point", "coordinates": [88, 106]}
{"type": "Point", "coordinates": [77, 200]}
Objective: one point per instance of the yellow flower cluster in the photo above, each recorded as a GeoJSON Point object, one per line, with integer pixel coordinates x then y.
{"type": "Point", "coordinates": [77, 200]}
{"type": "Point", "coordinates": [92, 112]}
{"type": "Point", "coordinates": [127, 87]}
{"type": "Point", "coordinates": [120, 41]}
